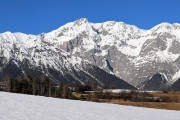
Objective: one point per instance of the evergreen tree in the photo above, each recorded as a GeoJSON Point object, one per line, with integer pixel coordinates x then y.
{"type": "Point", "coordinates": [46, 86]}
{"type": "Point", "coordinates": [30, 79]}
{"type": "Point", "coordinates": [60, 90]}
{"type": "Point", "coordinates": [66, 92]}
{"type": "Point", "coordinates": [50, 89]}
{"type": "Point", "coordinates": [36, 86]}
{"type": "Point", "coordinates": [9, 85]}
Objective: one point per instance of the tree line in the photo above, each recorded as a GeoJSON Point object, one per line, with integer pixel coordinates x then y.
{"type": "Point", "coordinates": [37, 86]}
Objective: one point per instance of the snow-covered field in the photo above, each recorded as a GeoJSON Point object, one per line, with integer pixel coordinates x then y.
{"type": "Point", "coordinates": [28, 107]}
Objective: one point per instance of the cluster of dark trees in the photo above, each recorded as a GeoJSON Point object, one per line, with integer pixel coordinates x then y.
{"type": "Point", "coordinates": [44, 87]}
{"type": "Point", "coordinates": [82, 88]}
{"type": "Point", "coordinates": [37, 86]}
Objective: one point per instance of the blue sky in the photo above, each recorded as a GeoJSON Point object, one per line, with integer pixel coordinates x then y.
{"type": "Point", "coordinates": [37, 16]}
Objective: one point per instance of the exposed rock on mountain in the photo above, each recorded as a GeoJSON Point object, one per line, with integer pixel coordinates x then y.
{"type": "Point", "coordinates": [156, 82]}
{"type": "Point", "coordinates": [176, 85]}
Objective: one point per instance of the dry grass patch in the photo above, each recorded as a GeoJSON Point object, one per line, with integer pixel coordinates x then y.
{"type": "Point", "coordinates": [76, 94]}
{"type": "Point", "coordinates": [157, 105]}
{"type": "Point", "coordinates": [173, 104]}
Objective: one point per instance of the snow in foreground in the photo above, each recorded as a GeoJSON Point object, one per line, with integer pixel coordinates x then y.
{"type": "Point", "coordinates": [21, 107]}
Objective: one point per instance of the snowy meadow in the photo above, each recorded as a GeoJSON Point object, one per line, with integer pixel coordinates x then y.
{"type": "Point", "coordinates": [28, 107]}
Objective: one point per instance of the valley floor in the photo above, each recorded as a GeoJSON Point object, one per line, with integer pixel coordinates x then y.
{"type": "Point", "coordinates": [20, 107]}
{"type": "Point", "coordinates": [174, 105]}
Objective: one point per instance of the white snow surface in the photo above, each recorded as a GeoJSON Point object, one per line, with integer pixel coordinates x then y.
{"type": "Point", "coordinates": [28, 107]}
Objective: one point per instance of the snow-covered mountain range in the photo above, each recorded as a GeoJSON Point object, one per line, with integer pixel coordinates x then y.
{"type": "Point", "coordinates": [146, 59]}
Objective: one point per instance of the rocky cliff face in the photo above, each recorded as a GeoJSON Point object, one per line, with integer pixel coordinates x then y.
{"type": "Point", "coordinates": [125, 51]}
{"type": "Point", "coordinates": [176, 85]}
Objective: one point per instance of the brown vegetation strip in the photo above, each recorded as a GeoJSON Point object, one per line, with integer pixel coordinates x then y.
{"type": "Point", "coordinates": [158, 105]}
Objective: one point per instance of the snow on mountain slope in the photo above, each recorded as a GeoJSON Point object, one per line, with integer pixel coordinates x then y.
{"type": "Point", "coordinates": [28, 107]}
{"type": "Point", "coordinates": [126, 51]}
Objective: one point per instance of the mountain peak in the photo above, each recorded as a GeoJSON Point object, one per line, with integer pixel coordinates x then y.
{"type": "Point", "coordinates": [164, 24]}
{"type": "Point", "coordinates": [81, 21]}
{"type": "Point", "coordinates": [164, 27]}
{"type": "Point", "coordinates": [176, 24]}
